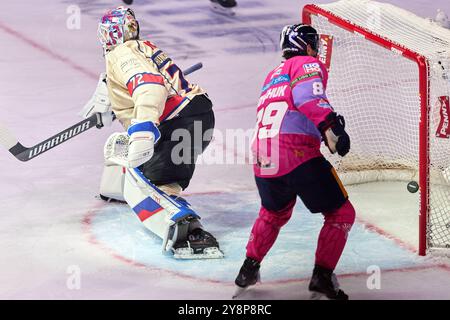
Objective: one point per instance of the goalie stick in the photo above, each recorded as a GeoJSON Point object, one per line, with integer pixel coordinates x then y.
{"type": "Point", "coordinates": [10, 142]}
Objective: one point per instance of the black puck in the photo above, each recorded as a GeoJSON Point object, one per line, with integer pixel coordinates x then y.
{"type": "Point", "coordinates": [128, 1]}
{"type": "Point", "coordinates": [412, 187]}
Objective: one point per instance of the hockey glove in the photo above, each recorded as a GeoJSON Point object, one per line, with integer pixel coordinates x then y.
{"type": "Point", "coordinates": [143, 136]}
{"type": "Point", "coordinates": [334, 135]}
{"type": "Point", "coordinates": [133, 148]}
{"type": "Point", "coordinates": [99, 103]}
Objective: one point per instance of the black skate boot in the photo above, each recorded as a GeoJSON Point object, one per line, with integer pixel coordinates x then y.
{"type": "Point", "coordinates": [324, 283]}
{"type": "Point", "coordinates": [224, 6]}
{"type": "Point", "coordinates": [200, 244]}
{"type": "Point", "coordinates": [248, 276]}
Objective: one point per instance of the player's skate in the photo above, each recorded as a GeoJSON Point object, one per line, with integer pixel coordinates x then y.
{"type": "Point", "coordinates": [199, 244]}
{"type": "Point", "coordinates": [248, 276]}
{"type": "Point", "coordinates": [324, 284]}
{"type": "Point", "coordinates": [225, 7]}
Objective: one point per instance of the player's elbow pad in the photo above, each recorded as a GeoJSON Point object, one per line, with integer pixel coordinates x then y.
{"type": "Point", "coordinates": [334, 135]}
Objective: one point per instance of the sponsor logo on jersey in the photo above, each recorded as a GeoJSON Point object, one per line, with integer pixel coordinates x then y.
{"type": "Point", "coordinates": [278, 80]}
{"type": "Point", "coordinates": [311, 67]}
{"type": "Point", "coordinates": [443, 129]}
{"type": "Point", "coordinates": [304, 78]}
{"type": "Point", "coordinates": [129, 64]}
{"type": "Point", "coordinates": [53, 142]}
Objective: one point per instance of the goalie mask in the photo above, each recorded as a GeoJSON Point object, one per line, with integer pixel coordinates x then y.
{"type": "Point", "coordinates": [294, 39]}
{"type": "Point", "coordinates": [117, 26]}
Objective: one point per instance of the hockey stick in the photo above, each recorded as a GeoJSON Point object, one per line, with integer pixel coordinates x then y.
{"type": "Point", "coordinates": [10, 142]}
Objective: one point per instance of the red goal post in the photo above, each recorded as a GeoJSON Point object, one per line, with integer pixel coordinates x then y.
{"type": "Point", "coordinates": [326, 13]}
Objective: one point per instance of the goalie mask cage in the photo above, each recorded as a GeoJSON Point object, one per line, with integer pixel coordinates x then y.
{"type": "Point", "coordinates": [389, 77]}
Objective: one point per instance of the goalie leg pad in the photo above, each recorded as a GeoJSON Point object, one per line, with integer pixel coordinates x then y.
{"type": "Point", "coordinates": [163, 215]}
{"type": "Point", "coordinates": [112, 183]}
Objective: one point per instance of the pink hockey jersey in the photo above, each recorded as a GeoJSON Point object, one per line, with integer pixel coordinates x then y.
{"type": "Point", "coordinates": [292, 104]}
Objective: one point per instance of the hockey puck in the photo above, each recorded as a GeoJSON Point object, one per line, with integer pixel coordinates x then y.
{"type": "Point", "coordinates": [128, 1]}
{"type": "Point", "coordinates": [412, 187]}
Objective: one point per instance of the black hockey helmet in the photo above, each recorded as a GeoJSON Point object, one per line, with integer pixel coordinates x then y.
{"type": "Point", "coordinates": [295, 38]}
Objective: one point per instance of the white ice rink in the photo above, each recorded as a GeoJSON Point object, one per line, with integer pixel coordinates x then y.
{"type": "Point", "coordinates": [51, 222]}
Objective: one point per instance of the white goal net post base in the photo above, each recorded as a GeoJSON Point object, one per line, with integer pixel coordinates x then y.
{"type": "Point", "coordinates": [389, 77]}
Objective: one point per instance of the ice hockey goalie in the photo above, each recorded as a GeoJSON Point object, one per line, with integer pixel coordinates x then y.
{"type": "Point", "coordinates": [150, 96]}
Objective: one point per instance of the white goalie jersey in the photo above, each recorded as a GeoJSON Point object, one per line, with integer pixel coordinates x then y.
{"type": "Point", "coordinates": [144, 84]}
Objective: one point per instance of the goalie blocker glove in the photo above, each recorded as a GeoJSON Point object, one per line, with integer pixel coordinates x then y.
{"type": "Point", "coordinates": [334, 135]}
{"type": "Point", "coordinates": [143, 136]}
{"type": "Point", "coordinates": [132, 148]}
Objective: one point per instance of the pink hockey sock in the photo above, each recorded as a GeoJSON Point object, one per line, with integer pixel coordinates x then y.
{"type": "Point", "coordinates": [333, 236]}
{"type": "Point", "coordinates": [265, 231]}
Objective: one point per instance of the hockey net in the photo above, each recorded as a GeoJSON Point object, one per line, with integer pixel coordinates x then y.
{"type": "Point", "coordinates": [389, 77]}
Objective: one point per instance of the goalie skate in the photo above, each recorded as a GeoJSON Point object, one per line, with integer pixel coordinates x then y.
{"type": "Point", "coordinates": [199, 245]}
{"type": "Point", "coordinates": [224, 7]}
{"type": "Point", "coordinates": [169, 217]}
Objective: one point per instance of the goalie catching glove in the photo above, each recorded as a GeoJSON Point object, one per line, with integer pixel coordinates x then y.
{"type": "Point", "coordinates": [334, 135]}
{"type": "Point", "coordinates": [133, 148]}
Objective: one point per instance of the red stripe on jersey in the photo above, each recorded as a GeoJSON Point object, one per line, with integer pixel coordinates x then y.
{"type": "Point", "coordinates": [143, 78]}
{"type": "Point", "coordinates": [171, 104]}
{"type": "Point", "coordinates": [151, 45]}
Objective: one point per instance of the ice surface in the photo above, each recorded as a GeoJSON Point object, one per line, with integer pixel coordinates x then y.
{"type": "Point", "coordinates": [51, 221]}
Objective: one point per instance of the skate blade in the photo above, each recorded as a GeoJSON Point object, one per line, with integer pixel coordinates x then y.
{"type": "Point", "coordinates": [188, 254]}
{"type": "Point", "coordinates": [317, 296]}
{"type": "Point", "coordinates": [238, 292]}
{"type": "Point", "coordinates": [221, 10]}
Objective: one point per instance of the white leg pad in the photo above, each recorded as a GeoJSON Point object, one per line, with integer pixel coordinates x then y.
{"type": "Point", "coordinates": [112, 183]}
{"type": "Point", "coordinates": [162, 215]}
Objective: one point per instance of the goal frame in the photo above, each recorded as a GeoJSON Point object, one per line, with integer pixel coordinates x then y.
{"type": "Point", "coordinates": [310, 10]}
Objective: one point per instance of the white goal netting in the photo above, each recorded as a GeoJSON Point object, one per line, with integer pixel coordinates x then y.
{"type": "Point", "coordinates": [378, 86]}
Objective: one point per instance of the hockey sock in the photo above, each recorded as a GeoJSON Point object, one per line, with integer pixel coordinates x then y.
{"type": "Point", "coordinates": [265, 231]}
{"type": "Point", "coordinates": [333, 236]}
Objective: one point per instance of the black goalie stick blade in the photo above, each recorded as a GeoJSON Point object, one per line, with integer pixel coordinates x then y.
{"type": "Point", "coordinates": [25, 154]}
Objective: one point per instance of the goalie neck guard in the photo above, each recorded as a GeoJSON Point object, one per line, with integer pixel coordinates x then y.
{"type": "Point", "coordinates": [117, 26]}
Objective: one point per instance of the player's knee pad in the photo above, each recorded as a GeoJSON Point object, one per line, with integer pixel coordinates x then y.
{"type": "Point", "coordinates": [277, 218]}
{"type": "Point", "coordinates": [343, 217]}
{"type": "Point", "coordinates": [111, 185]}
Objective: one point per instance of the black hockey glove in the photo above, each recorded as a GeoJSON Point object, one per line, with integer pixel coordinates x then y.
{"type": "Point", "coordinates": [334, 135]}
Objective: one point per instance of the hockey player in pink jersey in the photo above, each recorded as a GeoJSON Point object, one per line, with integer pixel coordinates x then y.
{"type": "Point", "coordinates": [293, 117]}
